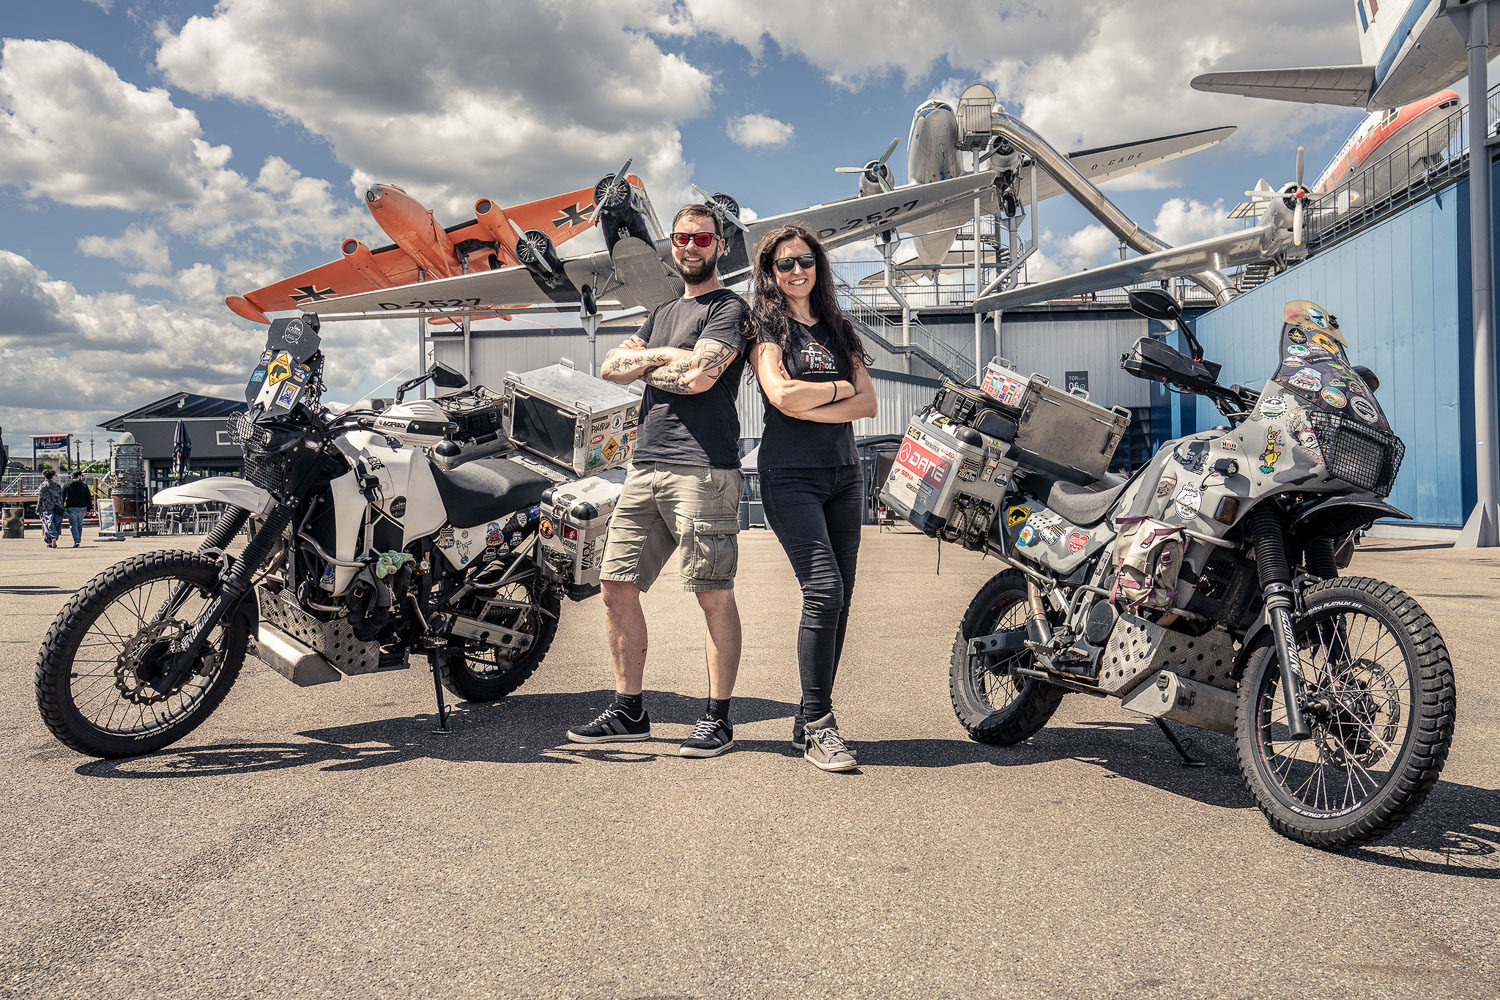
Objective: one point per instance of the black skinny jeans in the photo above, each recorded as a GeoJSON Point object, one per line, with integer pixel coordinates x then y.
{"type": "Point", "coordinates": [816, 515]}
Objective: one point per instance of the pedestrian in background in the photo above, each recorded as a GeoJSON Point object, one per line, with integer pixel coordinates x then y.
{"type": "Point", "coordinates": [49, 507]}
{"type": "Point", "coordinates": [812, 371]}
{"type": "Point", "coordinates": [78, 500]}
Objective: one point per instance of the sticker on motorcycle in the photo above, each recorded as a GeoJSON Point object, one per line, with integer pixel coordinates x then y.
{"type": "Point", "coordinates": [1334, 397]}
{"type": "Point", "coordinates": [1165, 487]}
{"type": "Point", "coordinates": [1272, 454]}
{"type": "Point", "coordinates": [1307, 379]}
{"type": "Point", "coordinates": [1272, 406]}
{"type": "Point", "coordinates": [1297, 350]}
{"type": "Point", "coordinates": [545, 527]}
{"type": "Point", "coordinates": [1296, 336]}
{"type": "Point", "coordinates": [1026, 536]}
{"type": "Point", "coordinates": [280, 369]}
{"type": "Point", "coordinates": [968, 471]}
{"type": "Point", "coordinates": [1016, 515]}
{"type": "Point", "coordinates": [492, 534]}
{"type": "Point", "coordinates": [1364, 409]}
{"type": "Point", "coordinates": [1192, 455]}
{"type": "Point", "coordinates": [398, 507]}
{"type": "Point", "coordinates": [1326, 342]}
{"type": "Point", "coordinates": [1076, 542]}
{"type": "Point", "coordinates": [1189, 499]}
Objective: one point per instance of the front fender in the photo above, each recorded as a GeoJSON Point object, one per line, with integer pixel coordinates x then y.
{"type": "Point", "coordinates": [1337, 516]}
{"type": "Point", "coordinates": [219, 489]}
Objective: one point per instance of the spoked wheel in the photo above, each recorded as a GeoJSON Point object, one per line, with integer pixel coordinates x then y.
{"type": "Point", "coordinates": [1378, 695]}
{"type": "Point", "coordinates": [111, 680]}
{"type": "Point", "coordinates": [995, 705]}
{"type": "Point", "coordinates": [478, 672]}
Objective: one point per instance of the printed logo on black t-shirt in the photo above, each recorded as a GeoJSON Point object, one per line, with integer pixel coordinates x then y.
{"type": "Point", "coordinates": [817, 358]}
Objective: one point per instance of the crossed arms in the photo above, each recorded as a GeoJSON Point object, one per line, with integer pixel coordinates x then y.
{"type": "Point", "coordinates": [821, 402]}
{"type": "Point", "coordinates": [670, 369]}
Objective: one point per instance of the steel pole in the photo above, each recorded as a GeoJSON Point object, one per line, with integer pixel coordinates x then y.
{"type": "Point", "coordinates": [1480, 529]}
{"type": "Point", "coordinates": [978, 282]}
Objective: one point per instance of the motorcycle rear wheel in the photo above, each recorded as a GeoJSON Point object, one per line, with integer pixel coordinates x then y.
{"type": "Point", "coordinates": [476, 672]}
{"type": "Point", "coordinates": [994, 705]}
{"type": "Point", "coordinates": [1380, 701]}
{"type": "Point", "coordinates": [97, 662]}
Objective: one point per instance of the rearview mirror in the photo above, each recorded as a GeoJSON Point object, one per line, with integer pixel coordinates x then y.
{"type": "Point", "coordinates": [448, 378]}
{"type": "Point", "coordinates": [1155, 303]}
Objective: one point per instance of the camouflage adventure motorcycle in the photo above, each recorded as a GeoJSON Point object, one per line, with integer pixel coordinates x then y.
{"type": "Point", "coordinates": [422, 529]}
{"type": "Point", "coordinates": [1206, 588]}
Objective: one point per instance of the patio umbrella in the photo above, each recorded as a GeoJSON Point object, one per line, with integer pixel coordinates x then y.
{"type": "Point", "coordinates": [182, 448]}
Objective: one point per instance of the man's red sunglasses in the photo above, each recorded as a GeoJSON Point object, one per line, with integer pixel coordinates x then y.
{"type": "Point", "coordinates": [680, 240]}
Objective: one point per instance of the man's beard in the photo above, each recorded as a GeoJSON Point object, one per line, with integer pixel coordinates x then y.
{"type": "Point", "coordinates": [698, 273]}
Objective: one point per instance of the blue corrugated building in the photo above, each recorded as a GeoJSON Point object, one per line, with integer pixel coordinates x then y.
{"type": "Point", "coordinates": [1402, 294]}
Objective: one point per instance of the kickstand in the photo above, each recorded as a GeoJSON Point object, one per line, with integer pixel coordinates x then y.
{"type": "Point", "coordinates": [1187, 759]}
{"type": "Point", "coordinates": [442, 710]}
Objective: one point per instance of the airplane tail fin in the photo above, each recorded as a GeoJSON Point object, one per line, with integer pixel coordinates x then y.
{"type": "Point", "coordinates": [1374, 30]}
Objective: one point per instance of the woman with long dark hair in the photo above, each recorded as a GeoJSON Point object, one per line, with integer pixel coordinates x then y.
{"type": "Point", "coordinates": [812, 371]}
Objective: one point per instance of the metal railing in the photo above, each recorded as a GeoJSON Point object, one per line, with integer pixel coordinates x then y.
{"type": "Point", "coordinates": [1434, 159]}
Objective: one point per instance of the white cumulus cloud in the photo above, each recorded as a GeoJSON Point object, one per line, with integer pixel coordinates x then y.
{"type": "Point", "coordinates": [759, 130]}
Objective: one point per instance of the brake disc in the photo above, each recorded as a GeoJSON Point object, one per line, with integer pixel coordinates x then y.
{"type": "Point", "coordinates": [148, 642]}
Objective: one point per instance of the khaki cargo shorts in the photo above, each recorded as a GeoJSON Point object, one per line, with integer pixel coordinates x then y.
{"type": "Point", "coordinates": [664, 505]}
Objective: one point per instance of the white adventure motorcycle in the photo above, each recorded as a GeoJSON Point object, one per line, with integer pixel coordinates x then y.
{"type": "Point", "coordinates": [365, 547]}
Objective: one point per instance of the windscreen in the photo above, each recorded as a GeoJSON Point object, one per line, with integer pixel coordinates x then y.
{"type": "Point", "coordinates": [1315, 365]}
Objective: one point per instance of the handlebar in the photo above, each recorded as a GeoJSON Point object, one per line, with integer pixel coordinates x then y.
{"type": "Point", "coordinates": [398, 425]}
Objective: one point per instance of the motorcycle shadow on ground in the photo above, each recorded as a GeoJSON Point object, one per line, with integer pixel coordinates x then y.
{"type": "Point", "coordinates": [521, 729]}
{"type": "Point", "coordinates": [1454, 832]}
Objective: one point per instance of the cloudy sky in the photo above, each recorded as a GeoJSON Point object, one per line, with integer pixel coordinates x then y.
{"type": "Point", "coordinates": [156, 155]}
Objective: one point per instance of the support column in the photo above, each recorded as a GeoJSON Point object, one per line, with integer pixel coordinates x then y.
{"type": "Point", "coordinates": [978, 282]}
{"type": "Point", "coordinates": [1480, 531]}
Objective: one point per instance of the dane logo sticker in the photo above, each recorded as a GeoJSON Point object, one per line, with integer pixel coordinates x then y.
{"type": "Point", "coordinates": [1364, 409]}
{"type": "Point", "coordinates": [1272, 454]}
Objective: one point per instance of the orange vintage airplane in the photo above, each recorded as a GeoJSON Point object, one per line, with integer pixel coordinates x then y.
{"type": "Point", "coordinates": [422, 250]}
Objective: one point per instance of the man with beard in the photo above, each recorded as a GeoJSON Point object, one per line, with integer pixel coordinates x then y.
{"type": "Point", "coordinates": [683, 485]}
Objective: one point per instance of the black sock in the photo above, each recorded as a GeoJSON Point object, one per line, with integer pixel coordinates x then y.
{"type": "Point", "coordinates": [630, 704]}
{"type": "Point", "coordinates": [719, 708]}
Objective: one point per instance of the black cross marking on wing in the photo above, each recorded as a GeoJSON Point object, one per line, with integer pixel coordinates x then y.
{"type": "Point", "coordinates": [312, 293]}
{"type": "Point", "coordinates": [572, 216]}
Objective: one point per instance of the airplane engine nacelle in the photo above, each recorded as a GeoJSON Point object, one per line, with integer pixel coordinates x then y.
{"type": "Point", "coordinates": [359, 256]}
{"type": "Point", "coordinates": [870, 182]}
{"type": "Point", "coordinates": [537, 253]}
{"type": "Point", "coordinates": [494, 224]}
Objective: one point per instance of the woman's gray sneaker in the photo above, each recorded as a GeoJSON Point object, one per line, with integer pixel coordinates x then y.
{"type": "Point", "coordinates": [710, 737]}
{"type": "Point", "coordinates": [825, 747]}
{"type": "Point", "coordinates": [613, 726]}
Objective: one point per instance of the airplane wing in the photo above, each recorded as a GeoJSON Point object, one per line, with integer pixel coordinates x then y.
{"type": "Point", "coordinates": [639, 276]}
{"type": "Point", "coordinates": [1347, 86]}
{"type": "Point", "coordinates": [560, 216]}
{"type": "Point", "coordinates": [1215, 253]}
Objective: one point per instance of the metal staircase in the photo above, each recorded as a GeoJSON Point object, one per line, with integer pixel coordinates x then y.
{"type": "Point", "coordinates": [875, 323]}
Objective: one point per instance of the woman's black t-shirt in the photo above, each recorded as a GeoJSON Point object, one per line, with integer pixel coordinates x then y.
{"type": "Point", "coordinates": [789, 443]}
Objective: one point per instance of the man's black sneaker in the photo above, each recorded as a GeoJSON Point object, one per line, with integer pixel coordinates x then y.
{"type": "Point", "coordinates": [710, 737]}
{"type": "Point", "coordinates": [613, 726]}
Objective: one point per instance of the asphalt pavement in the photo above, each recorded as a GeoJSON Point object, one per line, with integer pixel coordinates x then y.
{"type": "Point", "coordinates": [325, 842]}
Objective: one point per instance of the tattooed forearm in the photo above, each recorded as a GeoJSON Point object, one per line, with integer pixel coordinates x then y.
{"type": "Point", "coordinates": [632, 361]}
{"type": "Point", "coordinates": [695, 373]}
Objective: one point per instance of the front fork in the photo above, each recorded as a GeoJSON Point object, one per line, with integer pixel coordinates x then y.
{"type": "Point", "coordinates": [233, 585]}
{"type": "Point", "coordinates": [1280, 600]}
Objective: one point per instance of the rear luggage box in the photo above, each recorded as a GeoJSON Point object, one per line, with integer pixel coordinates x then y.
{"type": "Point", "coordinates": [948, 478]}
{"type": "Point", "coordinates": [571, 418]}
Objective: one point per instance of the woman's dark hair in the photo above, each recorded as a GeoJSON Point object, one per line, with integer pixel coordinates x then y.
{"type": "Point", "coordinates": [769, 319]}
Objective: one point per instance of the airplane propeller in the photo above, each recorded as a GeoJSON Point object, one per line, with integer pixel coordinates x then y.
{"type": "Point", "coordinates": [1292, 195]}
{"type": "Point", "coordinates": [876, 171]}
{"type": "Point", "coordinates": [611, 191]}
{"type": "Point", "coordinates": [725, 207]}
{"type": "Point", "coordinates": [537, 252]}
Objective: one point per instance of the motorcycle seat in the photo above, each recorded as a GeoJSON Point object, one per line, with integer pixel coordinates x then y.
{"type": "Point", "coordinates": [1084, 506]}
{"type": "Point", "coordinates": [487, 489]}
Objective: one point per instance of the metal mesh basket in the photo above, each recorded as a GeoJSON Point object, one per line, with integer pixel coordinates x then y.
{"type": "Point", "coordinates": [1354, 451]}
{"type": "Point", "coordinates": [269, 472]}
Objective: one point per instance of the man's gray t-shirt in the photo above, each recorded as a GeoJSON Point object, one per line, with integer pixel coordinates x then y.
{"type": "Point", "coordinates": [699, 428]}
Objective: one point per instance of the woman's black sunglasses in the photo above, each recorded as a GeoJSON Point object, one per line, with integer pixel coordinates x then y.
{"type": "Point", "coordinates": [806, 260]}
{"type": "Point", "coordinates": [681, 240]}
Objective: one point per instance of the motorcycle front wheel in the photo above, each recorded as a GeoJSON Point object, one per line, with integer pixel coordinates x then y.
{"type": "Point", "coordinates": [993, 704]}
{"type": "Point", "coordinates": [1379, 698]}
{"type": "Point", "coordinates": [102, 680]}
{"type": "Point", "coordinates": [478, 672]}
